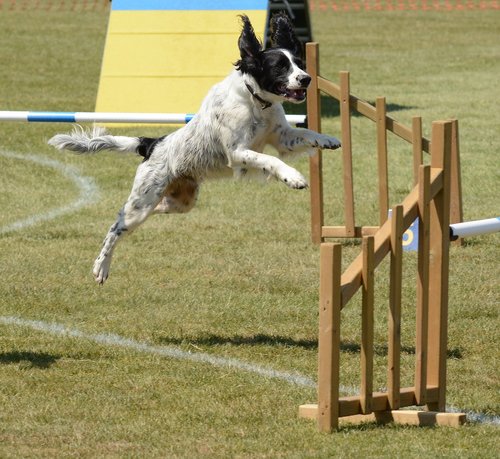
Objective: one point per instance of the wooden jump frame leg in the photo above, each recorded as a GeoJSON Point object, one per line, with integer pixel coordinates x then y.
{"type": "Point", "coordinates": [439, 223]}
{"type": "Point", "coordinates": [329, 337]}
{"type": "Point", "coordinates": [315, 162]}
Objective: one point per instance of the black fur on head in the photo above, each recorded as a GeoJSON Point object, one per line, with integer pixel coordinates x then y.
{"type": "Point", "coordinates": [250, 48]}
{"type": "Point", "coordinates": [278, 70]}
{"type": "Point", "coordinates": [283, 35]}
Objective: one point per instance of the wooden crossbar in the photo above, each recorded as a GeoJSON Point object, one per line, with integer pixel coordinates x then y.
{"type": "Point", "coordinates": [351, 278]}
{"type": "Point", "coordinates": [369, 111]}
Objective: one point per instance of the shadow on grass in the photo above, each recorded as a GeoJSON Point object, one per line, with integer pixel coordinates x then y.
{"type": "Point", "coordinates": [273, 340]}
{"type": "Point", "coordinates": [39, 360]}
{"type": "Point", "coordinates": [382, 350]}
{"type": "Point", "coordinates": [346, 427]}
{"type": "Point", "coordinates": [330, 108]}
{"type": "Point", "coordinates": [251, 340]}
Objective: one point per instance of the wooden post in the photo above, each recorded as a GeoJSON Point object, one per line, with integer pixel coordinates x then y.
{"type": "Point", "coordinates": [396, 271]}
{"type": "Point", "coordinates": [345, 118]}
{"type": "Point", "coordinates": [416, 129]}
{"type": "Point", "coordinates": [456, 211]}
{"type": "Point", "coordinates": [329, 336]}
{"type": "Point", "coordinates": [422, 285]}
{"type": "Point", "coordinates": [383, 174]}
{"type": "Point", "coordinates": [367, 325]}
{"type": "Point", "coordinates": [315, 162]}
{"type": "Point", "coordinates": [441, 141]}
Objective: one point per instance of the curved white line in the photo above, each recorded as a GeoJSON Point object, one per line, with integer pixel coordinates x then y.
{"type": "Point", "coordinates": [88, 191]}
{"type": "Point", "coordinates": [109, 339]}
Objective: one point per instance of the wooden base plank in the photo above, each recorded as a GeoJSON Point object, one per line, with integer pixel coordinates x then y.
{"type": "Point", "coordinates": [308, 411]}
{"type": "Point", "coordinates": [406, 417]}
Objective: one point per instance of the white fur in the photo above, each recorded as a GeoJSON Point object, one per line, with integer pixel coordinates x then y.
{"type": "Point", "coordinates": [297, 73]}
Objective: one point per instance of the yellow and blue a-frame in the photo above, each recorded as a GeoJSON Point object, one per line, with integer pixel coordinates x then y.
{"type": "Point", "coordinates": [164, 55]}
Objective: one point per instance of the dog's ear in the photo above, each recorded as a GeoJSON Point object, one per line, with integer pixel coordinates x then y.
{"type": "Point", "coordinates": [248, 43]}
{"type": "Point", "coordinates": [250, 49]}
{"type": "Point", "coordinates": [283, 35]}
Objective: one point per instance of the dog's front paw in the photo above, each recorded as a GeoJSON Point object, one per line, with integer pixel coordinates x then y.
{"type": "Point", "coordinates": [329, 143]}
{"type": "Point", "coordinates": [101, 268]}
{"type": "Point", "coordinates": [293, 178]}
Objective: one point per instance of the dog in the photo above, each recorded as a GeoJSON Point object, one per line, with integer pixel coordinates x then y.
{"type": "Point", "coordinates": [237, 119]}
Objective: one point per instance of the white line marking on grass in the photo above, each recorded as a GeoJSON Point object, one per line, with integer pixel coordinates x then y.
{"type": "Point", "coordinates": [110, 339]}
{"type": "Point", "coordinates": [86, 186]}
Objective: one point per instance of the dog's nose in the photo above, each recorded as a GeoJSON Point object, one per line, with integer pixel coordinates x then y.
{"type": "Point", "coordinates": [304, 81]}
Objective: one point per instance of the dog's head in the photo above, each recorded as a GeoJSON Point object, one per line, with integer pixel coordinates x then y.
{"type": "Point", "coordinates": [279, 70]}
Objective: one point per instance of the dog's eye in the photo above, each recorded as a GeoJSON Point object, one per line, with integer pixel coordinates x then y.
{"type": "Point", "coordinates": [298, 63]}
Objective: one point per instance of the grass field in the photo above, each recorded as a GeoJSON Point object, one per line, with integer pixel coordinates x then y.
{"type": "Point", "coordinates": [203, 342]}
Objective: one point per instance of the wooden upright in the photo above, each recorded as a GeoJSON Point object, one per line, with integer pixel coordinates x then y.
{"type": "Point", "coordinates": [315, 162]}
{"type": "Point", "coordinates": [439, 227]}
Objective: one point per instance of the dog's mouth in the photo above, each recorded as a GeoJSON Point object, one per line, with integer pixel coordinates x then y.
{"type": "Point", "coordinates": [294, 95]}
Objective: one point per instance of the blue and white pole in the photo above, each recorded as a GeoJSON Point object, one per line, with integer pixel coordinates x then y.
{"type": "Point", "coordinates": [107, 117]}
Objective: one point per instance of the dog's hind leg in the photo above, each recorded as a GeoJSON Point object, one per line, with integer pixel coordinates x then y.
{"type": "Point", "coordinates": [145, 196]}
{"type": "Point", "coordinates": [103, 261]}
{"type": "Point", "coordinates": [128, 219]}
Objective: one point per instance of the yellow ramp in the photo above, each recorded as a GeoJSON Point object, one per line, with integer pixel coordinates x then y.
{"type": "Point", "coordinates": [164, 55]}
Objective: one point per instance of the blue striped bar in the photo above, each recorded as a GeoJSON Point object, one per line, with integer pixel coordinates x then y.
{"type": "Point", "coordinates": [110, 117]}
{"type": "Point", "coordinates": [184, 5]}
{"type": "Point", "coordinates": [54, 117]}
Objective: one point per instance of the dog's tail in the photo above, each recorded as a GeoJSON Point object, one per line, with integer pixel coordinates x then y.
{"type": "Point", "coordinates": [96, 139]}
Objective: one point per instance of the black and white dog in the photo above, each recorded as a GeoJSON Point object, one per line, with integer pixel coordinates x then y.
{"type": "Point", "coordinates": [238, 117]}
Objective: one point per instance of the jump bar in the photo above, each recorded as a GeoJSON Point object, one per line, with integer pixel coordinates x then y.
{"type": "Point", "coordinates": [105, 117]}
{"type": "Point", "coordinates": [474, 228]}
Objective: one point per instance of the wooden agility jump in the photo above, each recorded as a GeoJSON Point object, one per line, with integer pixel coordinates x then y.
{"type": "Point", "coordinates": [430, 201]}
{"type": "Point", "coordinates": [349, 103]}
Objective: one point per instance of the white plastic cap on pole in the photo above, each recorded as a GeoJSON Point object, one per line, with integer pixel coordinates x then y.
{"type": "Point", "coordinates": [474, 228]}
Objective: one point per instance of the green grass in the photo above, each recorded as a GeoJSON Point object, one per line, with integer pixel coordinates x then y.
{"type": "Point", "coordinates": [237, 277]}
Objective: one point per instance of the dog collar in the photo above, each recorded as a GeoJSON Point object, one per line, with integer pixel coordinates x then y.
{"type": "Point", "coordinates": [265, 104]}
